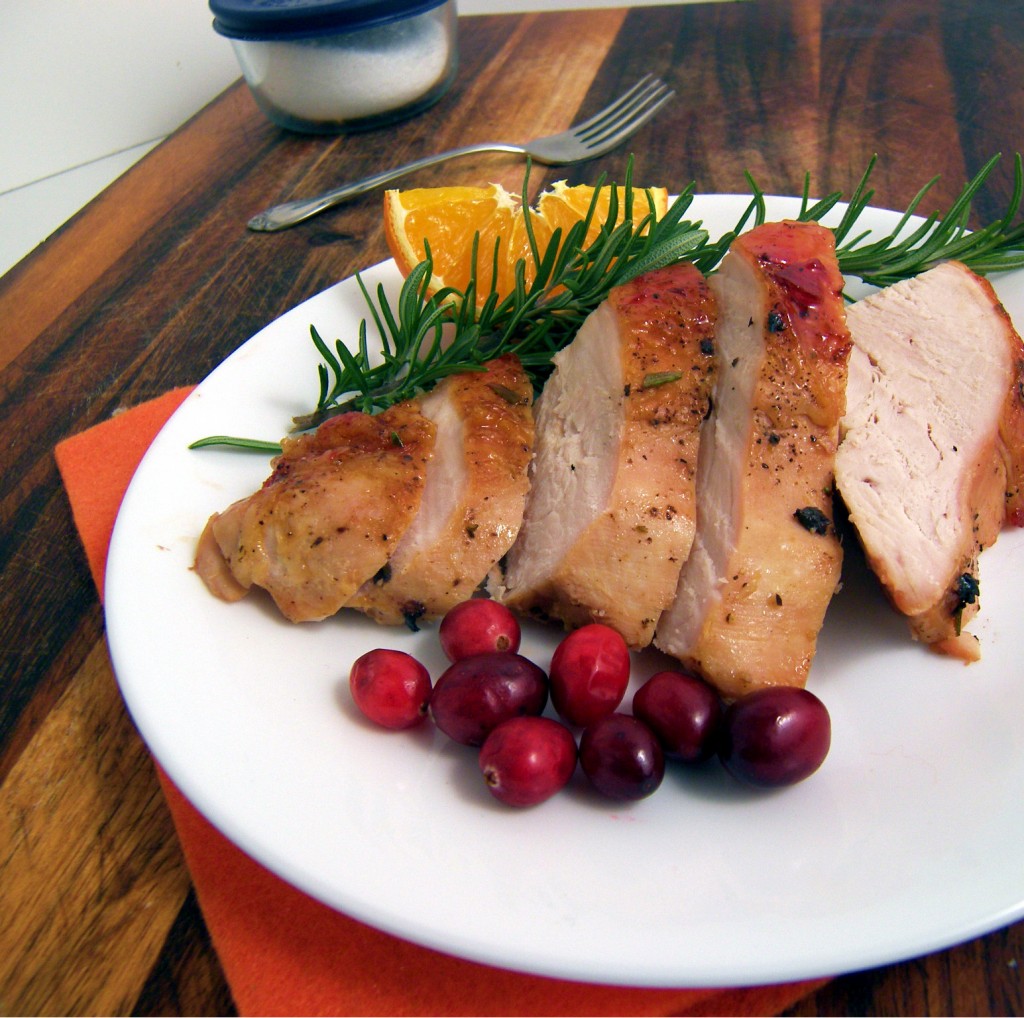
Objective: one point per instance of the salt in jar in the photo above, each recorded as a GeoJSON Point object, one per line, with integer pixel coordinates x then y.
{"type": "Point", "coordinates": [322, 66]}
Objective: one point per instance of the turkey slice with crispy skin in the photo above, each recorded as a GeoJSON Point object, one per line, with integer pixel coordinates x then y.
{"type": "Point", "coordinates": [610, 514]}
{"type": "Point", "coordinates": [766, 558]}
{"type": "Point", "coordinates": [473, 501]}
{"type": "Point", "coordinates": [328, 517]}
{"type": "Point", "coordinates": [932, 456]}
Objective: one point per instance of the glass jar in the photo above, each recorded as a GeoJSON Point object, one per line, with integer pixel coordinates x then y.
{"type": "Point", "coordinates": [326, 66]}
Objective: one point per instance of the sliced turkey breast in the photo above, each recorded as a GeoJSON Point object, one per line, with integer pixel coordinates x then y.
{"type": "Point", "coordinates": [328, 517]}
{"type": "Point", "coordinates": [932, 455]}
{"type": "Point", "coordinates": [473, 500]}
{"type": "Point", "coordinates": [610, 514]}
{"type": "Point", "coordinates": [766, 559]}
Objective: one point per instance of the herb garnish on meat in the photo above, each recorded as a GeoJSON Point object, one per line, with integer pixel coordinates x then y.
{"type": "Point", "coordinates": [426, 337]}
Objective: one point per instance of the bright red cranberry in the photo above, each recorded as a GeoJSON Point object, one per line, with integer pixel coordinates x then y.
{"type": "Point", "coordinates": [589, 674]}
{"type": "Point", "coordinates": [478, 626]}
{"type": "Point", "coordinates": [526, 760]}
{"type": "Point", "coordinates": [775, 736]}
{"type": "Point", "coordinates": [683, 711]}
{"type": "Point", "coordinates": [622, 757]}
{"type": "Point", "coordinates": [390, 687]}
{"type": "Point", "coordinates": [475, 694]}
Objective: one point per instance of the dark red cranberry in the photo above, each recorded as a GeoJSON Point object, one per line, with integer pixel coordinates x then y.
{"type": "Point", "coordinates": [475, 694]}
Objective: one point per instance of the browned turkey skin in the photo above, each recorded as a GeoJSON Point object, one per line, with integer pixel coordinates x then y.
{"type": "Point", "coordinates": [327, 518]}
{"type": "Point", "coordinates": [400, 514]}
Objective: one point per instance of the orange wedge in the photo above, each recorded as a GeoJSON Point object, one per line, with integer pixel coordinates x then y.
{"type": "Point", "coordinates": [448, 218]}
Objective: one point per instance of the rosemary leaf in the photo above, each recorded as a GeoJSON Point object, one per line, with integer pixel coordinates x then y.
{"type": "Point", "coordinates": [248, 444]}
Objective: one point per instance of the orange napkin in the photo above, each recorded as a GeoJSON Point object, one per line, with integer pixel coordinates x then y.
{"type": "Point", "coordinates": [284, 953]}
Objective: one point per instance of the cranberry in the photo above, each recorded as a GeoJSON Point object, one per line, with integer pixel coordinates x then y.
{"type": "Point", "coordinates": [589, 674]}
{"type": "Point", "coordinates": [478, 626]}
{"type": "Point", "coordinates": [622, 757]}
{"type": "Point", "coordinates": [775, 736]}
{"type": "Point", "coordinates": [475, 694]}
{"type": "Point", "coordinates": [390, 687]}
{"type": "Point", "coordinates": [526, 760]}
{"type": "Point", "coordinates": [683, 711]}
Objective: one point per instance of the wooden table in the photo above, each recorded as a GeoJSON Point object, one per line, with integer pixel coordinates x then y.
{"type": "Point", "coordinates": [157, 281]}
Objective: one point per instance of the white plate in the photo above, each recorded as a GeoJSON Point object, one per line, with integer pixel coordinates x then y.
{"type": "Point", "coordinates": [907, 840]}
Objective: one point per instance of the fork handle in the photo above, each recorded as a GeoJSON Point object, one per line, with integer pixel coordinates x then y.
{"type": "Point", "coordinates": [280, 217]}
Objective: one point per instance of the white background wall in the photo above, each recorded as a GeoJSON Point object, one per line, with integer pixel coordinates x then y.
{"type": "Point", "coordinates": [87, 88]}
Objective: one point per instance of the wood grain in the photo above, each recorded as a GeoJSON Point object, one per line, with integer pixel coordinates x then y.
{"type": "Point", "coordinates": [186, 978]}
{"type": "Point", "coordinates": [157, 281]}
{"type": "Point", "coordinates": [92, 874]}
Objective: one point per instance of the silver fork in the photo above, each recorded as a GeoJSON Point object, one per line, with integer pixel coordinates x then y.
{"type": "Point", "coordinates": [601, 133]}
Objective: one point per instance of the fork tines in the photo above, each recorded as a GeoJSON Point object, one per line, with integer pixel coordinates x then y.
{"type": "Point", "coordinates": [629, 112]}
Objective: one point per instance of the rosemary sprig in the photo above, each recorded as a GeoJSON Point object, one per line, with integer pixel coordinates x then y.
{"type": "Point", "coordinates": [425, 337]}
{"type": "Point", "coordinates": [535, 322]}
{"type": "Point", "coordinates": [906, 252]}
{"type": "Point", "coordinates": [413, 352]}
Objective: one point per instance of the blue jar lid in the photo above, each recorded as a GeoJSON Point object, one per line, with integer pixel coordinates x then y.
{"type": "Point", "coordinates": [293, 19]}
